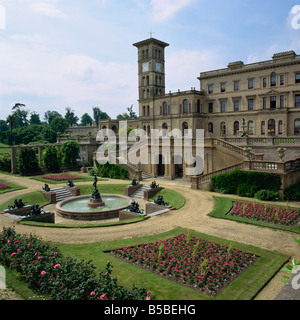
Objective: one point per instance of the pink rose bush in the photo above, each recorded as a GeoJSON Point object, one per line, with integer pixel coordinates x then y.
{"type": "Point", "coordinates": [49, 273]}
{"type": "Point", "coordinates": [266, 213]}
{"type": "Point", "coordinates": [205, 265]}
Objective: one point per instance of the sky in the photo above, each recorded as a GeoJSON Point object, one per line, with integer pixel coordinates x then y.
{"type": "Point", "coordinates": [78, 54]}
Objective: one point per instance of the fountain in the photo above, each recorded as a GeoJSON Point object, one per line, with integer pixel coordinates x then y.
{"type": "Point", "coordinates": [94, 207]}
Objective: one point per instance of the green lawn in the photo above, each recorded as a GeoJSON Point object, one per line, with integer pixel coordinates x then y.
{"type": "Point", "coordinates": [223, 206]}
{"type": "Point", "coordinates": [175, 199]}
{"type": "Point", "coordinates": [245, 287]}
{"type": "Point", "coordinates": [4, 150]}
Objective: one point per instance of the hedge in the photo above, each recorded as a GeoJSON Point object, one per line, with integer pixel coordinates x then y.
{"type": "Point", "coordinates": [245, 183]}
{"type": "Point", "coordinates": [110, 170]}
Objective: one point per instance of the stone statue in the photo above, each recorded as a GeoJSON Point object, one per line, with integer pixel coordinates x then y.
{"type": "Point", "coordinates": [160, 201]}
{"type": "Point", "coordinates": [35, 210]}
{"type": "Point", "coordinates": [70, 183]}
{"type": "Point", "coordinates": [153, 185]}
{"type": "Point", "coordinates": [134, 207]}
{"type": "Point", "coordinates": [46, 187]}
{"type": "Point", "coordinates": [134, 182]}
{"type": "Point", "coordinates": [95, 194]}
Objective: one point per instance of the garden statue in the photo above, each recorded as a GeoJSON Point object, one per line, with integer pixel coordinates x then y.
{"type": "Point", "coordinates": [134, 182]}
{"type": "Point", "coordinates": [95, 194]}
{"type": "Point", "coordinates": [70, 184]}
{"type": "Point", "coordinates": [19, 203]}
{"type": "Point", "coordinates": [46, 187]}
{"type": "Point", "coordinates": [160, 201]}
{"type": "Point", "coordinates": [35, 210]}
{"type": "Point", "coordinates": [153, 185]}
{"type": "Point", "coordinates": [134, 207]}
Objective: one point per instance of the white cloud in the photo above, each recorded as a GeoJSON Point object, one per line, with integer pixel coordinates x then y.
{"type": "Point", "coordinates": [47, 8]}
{"type": "Point", "coordinates": [165, 9]}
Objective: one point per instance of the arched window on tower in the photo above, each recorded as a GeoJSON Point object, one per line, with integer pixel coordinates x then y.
{"type": "Point", "coordinates": [263, 128]}
{"type": "Point", "coordinates": [185, 126]}
{"type": "Point", "coordinates": [165, 108]}
{"type": "Point", "coordinates": [165, 129]}
{"type": "Point", "coordinates": [198, 106]}
{"type": "Point", "coordinates": [185, 106]}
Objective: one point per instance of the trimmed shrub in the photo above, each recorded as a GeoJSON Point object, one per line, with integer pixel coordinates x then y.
{"type": "Point", "coordinates": [110, 170]}
{"type": "Point", "coordinates": [269, 195]}
{"type": "Point", "coordinates": [292, 193]}
{"type": "Point", "coordinates": [5, 163]}
{"type": "Point", "coordinates": [50, 158]}
{"type": "Point", "coordinates": [28, 162]}
{"type": "Point", "coordinates": [69, 152]}
{"type": "Point", "coordinates": [245, 183]}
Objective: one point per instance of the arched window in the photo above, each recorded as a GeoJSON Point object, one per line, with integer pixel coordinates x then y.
{"type": "Point", "coordinates": [165, 129]}
{"type": "Point", "coordinates": [148, 80]}
{"type": "Point", "coordinates": [263, 128]}
{"type": "Point", "coordinates": [251, 127]}
{"type": "Point", "coordinates": [236, 127]}
{"type": "Point", "coordinates": [148, 130]}
{"type": "Point", "coordinates": [144, 110]}
{"type": "Point", "coordinates": [148, 111]}
{"type": "Point", "coordinates": [273, 79]}
{"type": "Point", "coordinates": [280, 127]}
{"type": "Point", "coordinates": [144, 81]}
{"type": "Point", "coordinates": [198, 106]}
{"type": "Point", "coordinates": [185, 126]}
{"type": "Point", "coordinates": [271, 126]}
{"type": "Point", "coordinates": [210, 127]}
{"type": "Point", "coordinates": [222, 128]}
{"type": "Point", "coordinates": [185, 106]}
{"type": "Point", "coordinates": [165, 108]}
{"type": "Point", "coordinates": [297, 127]}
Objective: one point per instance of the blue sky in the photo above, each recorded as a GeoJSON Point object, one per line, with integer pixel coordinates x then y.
{"type": "Point", "coordinates": [74, 53]}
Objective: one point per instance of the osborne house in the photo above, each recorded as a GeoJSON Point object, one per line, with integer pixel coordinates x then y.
{"type": "Point", "coordinates": [247, 111]}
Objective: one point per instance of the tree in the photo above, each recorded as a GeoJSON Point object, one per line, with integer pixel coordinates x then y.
{"type": "Point", "coordinates": [99, 115]}
{"type": "Point", "coordinates": [59, 125]}
{"type": "Point", "coordinates": [34, 118]}
{"type": "Point", "coordinates": [51, 158]}
{"type": "Point", "coordinates": [3, 126]}
{"type": "Point", "coordinates": [128, 116]}
{"type": "Point", "coordinates": [21, 115]}
{"type": "Point", "coordinates": [11, 120]}
{"type": "Point", "coordinates": [28, 163]}
{"type": "Point", "coordinates": [69, 153]}
{"type": "Point", "coordinates": [50, 115]}
{"type": "Point", "coordinates": [70, 117]}
{"type": "Point", "coordinates": [86, 119]}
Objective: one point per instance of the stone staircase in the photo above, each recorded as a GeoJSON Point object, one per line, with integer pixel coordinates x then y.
{"type": "Point", "coordinates": [139, 193]}
{"type": "Point", "coordinates": [62, 193]}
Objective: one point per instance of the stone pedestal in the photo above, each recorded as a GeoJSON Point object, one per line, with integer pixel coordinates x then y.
{"type": "Point", "coordinates": [95, 203]}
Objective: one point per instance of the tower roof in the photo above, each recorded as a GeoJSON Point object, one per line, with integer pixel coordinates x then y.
{"type": "Point", "coordinates": [150, 40]}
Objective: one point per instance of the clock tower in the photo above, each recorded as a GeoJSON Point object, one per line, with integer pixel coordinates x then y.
{"type": "Point", "coordinates": [151, 71]}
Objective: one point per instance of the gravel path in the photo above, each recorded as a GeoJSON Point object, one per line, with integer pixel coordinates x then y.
{"type": "Point", "coordinates": [192, 215]}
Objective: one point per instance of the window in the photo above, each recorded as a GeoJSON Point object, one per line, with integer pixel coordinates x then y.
{"type": "Point", "coordinates": [251, 127]}
{"type": "Point", "coordinates": [236, 85]}
{"type": "Point", "coordinates": [297, 78]}
{"type": "Point", "coordinates": [271, 126]}
{"type": "Point", "coordinates": [297, 127]}
{"type": "Point", "coordinates": [148, 110]}
{"type": "Point", "coordinates": [222, 128]}
{"type": "Point", "coordinates": [144, 110]}
{"type": "Point", "coordinates": [223, 106]}
{"type": "Point", "coordinates": [210, 88]}
{"type": "Point", "coordinates": [165, 129]}
{"type": "Point", "coordinates": [264, 82]}
{"type": "Point", "coordinates": [273, 79]}
{"type": "Point", "coordinates": [165, 108]}
{"type": "Point", "coordinates": [185, 126]}
{"type": "Point", "coordinates": [236, 127]}
{"type": "Point", "coordinates": [250, 84]}
{"type": "Point", "coordinates": [236, 104]}
{"type": "Point", "coordinates": [297, 100]}
{"type": "Point", "coordinates": [250, 104]}
{"type": "Point", "coordinates": [185, 106]}
{"type": "Point", "coordinates": [281, 101]}
{"type": "Point", "coordinates": [210, 107]}
{"type": "Point", "coordinates": [263, 128]}
{"type": "Point", "coordinates": [198, 106]}
{"type": "Point", "coordinates": [282, 80]}
{"type": "Point", "coordinates": [273, 102]}
{"type": "Point", "coordinates": [211, 127]}
{"type": "Point", "coordinates": [264, 103]}
{"type": "Point", "coordinates": [280, 127]}
{"type": "Point", "coordinates": [223, 87]}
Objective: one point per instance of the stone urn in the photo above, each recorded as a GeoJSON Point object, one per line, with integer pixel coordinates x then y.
{"type": "Point", "coordinates": [281, 153]}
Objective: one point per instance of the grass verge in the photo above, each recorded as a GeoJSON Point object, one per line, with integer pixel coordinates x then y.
{"type": "Point", "coordinates": [246, 287]}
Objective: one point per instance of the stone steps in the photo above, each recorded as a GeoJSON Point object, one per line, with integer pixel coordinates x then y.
{"type": "Point", "coordinates": [139, 193]}
{"type": "Point", "coordinates": [62, 193]}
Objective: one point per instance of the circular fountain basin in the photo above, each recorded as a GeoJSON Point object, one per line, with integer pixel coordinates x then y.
{"type": "Point", "coordinates": [77, 208]}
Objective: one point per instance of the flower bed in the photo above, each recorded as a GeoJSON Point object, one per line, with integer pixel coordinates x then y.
{"type": "Point", "coordinates": [61, 177]}
{"type": "Point", "coordinates": [200, 264]}
{"type": "Point", "coordinates": [265, 213]}
{"type": "Point", "coordinates": [4, 186]}
{"type": "Point", "coordinates": [47, 272]}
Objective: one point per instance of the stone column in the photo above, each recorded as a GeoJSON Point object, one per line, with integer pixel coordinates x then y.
{"type": "Point", "coordinates": [13, 160]}
{"type": "Point", "coordinates": [40, 154]}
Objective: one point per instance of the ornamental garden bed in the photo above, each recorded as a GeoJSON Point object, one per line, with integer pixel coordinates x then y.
{"type": "Point", "coordinates": [4, 186]}
{"type": "Point", "coordinates": [285, 216]}
{"type": "Point", "coordinates": [61, 178]}
{"type": "Point", "coordinates": [186, 259]}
